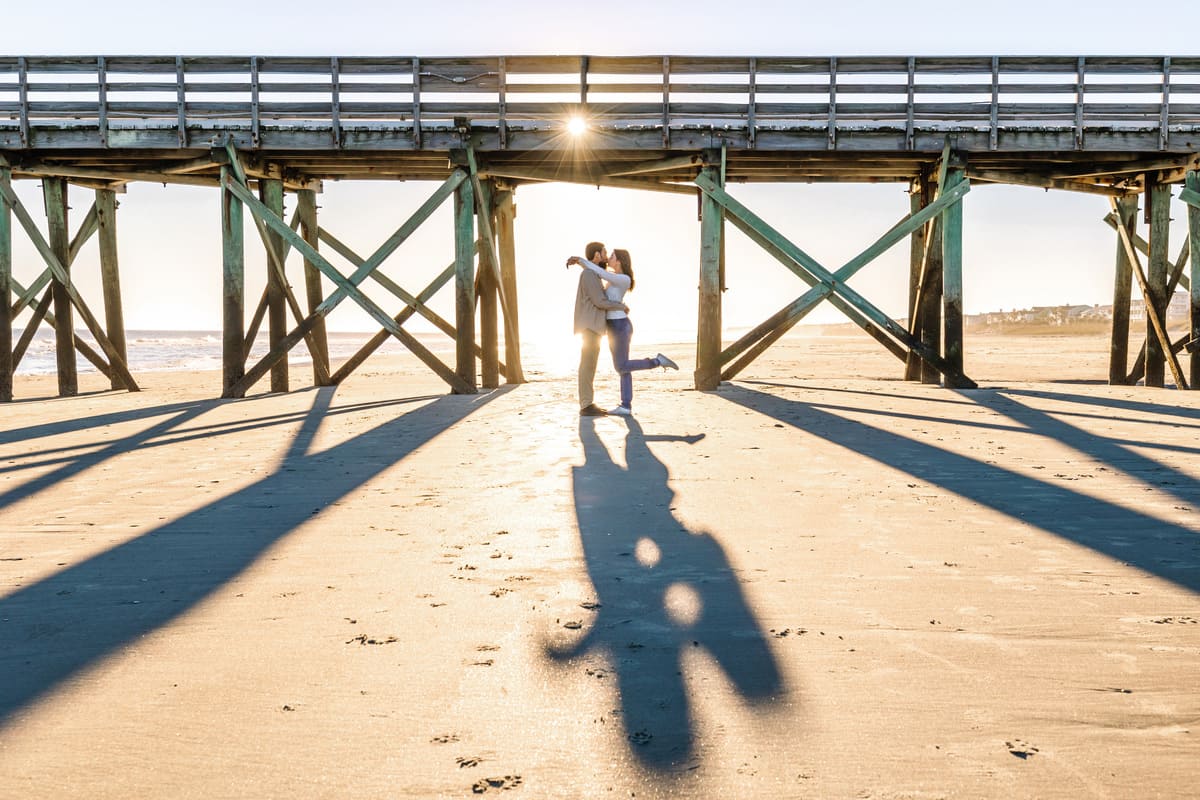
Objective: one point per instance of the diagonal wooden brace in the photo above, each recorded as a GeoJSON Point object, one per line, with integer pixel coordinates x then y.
{"type": "Point", "coordinates": [276, 259]}
{"type": "Point", "coordinates": [484, 214]}
{"type": "Point", "coordinates": [419, 306]}
{"type": "Point", "coordinates": [87, 229]}
{"type": "Point", "coordinates": [829, 283]}
{"type": "Point", "coordinates": [378, 339]}
{"type": "Point", "coordinates": [1160, 331]}
{"type": "Point", "coordinates": [60, 274]}
{"type": "Point", "coordinates": [346, 288]}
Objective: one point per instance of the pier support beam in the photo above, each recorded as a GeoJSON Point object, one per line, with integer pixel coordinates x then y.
{"type": "Point", "coordinates": [464, 286]}
{"type": "Point", "coordinates": [1192, 183]}
{"type": "Point", "coordinates": [488, 298]}
{"type": "Point", "coordinates": [271, 194]}
{"type": "Point", "coordinates": [54, 190]}
{"type": "Point", "coordinates": [918, 199]}
{"type": "Point", "coordinates": [114, 315]}
{"type": "Point", "coordinates": [233, 295]}
{"type": "Point", "coordinates": [6, 316]}
{"type": "Point", "coordinates": [318, 339]}
{"type": "Point", "coordinates": [952, 286]}
{"type": "Point", "coordinates": [1157, 271]}
{"type": "Point", "coordinates": [1118, 359]}
{"type": "Point", "coordinates": [708, 324]}
{"type": "Point", "coordinates": [506, 214]}
{"type": "Point", "coordinates": [925, 322]}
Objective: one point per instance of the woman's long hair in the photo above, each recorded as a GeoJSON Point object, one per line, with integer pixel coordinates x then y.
{"type": "Point", "coordinates": [626, 265]}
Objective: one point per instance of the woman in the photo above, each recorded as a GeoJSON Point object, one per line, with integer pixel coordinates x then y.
{"type": "Point", "coordinates": [618, 280]}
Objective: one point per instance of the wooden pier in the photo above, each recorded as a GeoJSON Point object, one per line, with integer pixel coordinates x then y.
{"type": "Point", "coordinates": [255, 128]}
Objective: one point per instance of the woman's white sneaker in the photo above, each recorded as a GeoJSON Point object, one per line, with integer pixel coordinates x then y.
{"type": "Point", "coordinates": [666, 363]}
{"type": "Point", "coordinates": [620, 411]}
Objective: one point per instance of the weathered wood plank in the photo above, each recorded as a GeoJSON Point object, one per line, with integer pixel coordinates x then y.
{"type": "Point", "coordinates": [233, 292]}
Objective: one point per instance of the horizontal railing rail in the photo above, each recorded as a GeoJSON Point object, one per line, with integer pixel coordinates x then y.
{"type": "Point", "coordinates": [758, 93]}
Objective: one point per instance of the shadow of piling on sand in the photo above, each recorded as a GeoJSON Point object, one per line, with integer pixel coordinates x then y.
{"type": "Point", "coordinates": [1121, 532]}
{"type": "Point", "coordinates": [60, 625]}
{"type": "Point", "coordinates": [662, 590]}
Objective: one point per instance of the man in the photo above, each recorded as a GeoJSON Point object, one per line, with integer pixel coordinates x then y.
{"type": "Point", "coordinates": [590, 305]}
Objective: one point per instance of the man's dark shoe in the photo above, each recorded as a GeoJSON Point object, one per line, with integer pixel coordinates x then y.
{"type": "Point", "coordinates": [592, 410]}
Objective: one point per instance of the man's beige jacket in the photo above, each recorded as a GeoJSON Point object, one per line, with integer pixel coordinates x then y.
{"type": "Point", "coordinates": [590, 303]}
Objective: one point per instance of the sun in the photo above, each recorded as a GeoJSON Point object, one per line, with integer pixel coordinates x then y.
{"type": "Point", "coordinates": [576, 126]}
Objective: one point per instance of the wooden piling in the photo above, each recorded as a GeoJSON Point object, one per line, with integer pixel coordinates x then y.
{"type": "Point", "coordinates": [708, 327]}
{"type": "Point", "coordinates": [488, 299]}
{"type": "Point", "coordinates": [271, 193]}
{"type": "Point", "coordinates": [1192, 182]}
{"type": "Point", "coordinates": [952, 288]}
{"type": "Point", "coordinates": [916, 257]}
{"type": "Point", "coordinates": [464, 284]}
{"type": "Point", "coordinates": [7, 367]}
{"type": "Point", "coordinates": [506, 214]}
{"type": "Point", "coordinates": [319, 338]}
{"type": "Point", "coordinates": [54, 191]}
{"type": "Point", "coordinates": [233, 248]}
{"type": "Point", "coordinates": [114, 315]}
{"type": "Point", "coordinates": [1157, 271]}
{"type": "Point", "coordinates": [1118, 359]}
{"type": "Point", "coordinates": [930, 309]}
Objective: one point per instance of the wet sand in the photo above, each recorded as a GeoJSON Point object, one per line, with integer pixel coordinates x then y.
{"type": "Point", "coordinates": [818, 581]}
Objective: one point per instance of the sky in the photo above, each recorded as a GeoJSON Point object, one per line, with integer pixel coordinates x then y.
{"type": "Point", "coordinates": [1022, 246]}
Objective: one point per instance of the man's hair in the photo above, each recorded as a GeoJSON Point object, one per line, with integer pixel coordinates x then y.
{"type": "Point", "coordinates": [592, 249]}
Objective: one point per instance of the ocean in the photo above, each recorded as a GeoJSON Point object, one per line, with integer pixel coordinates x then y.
{"type": "Point", "coordinates": [194, 351]}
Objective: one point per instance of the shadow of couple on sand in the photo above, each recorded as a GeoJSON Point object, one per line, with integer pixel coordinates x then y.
{"type": "Point", "coordinates": [662, 590]}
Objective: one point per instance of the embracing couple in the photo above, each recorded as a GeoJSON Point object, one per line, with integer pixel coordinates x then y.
{"type": "Point", "coordinates": [600, 309]}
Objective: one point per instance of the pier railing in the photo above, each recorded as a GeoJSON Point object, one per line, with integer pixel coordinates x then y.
{"type": "Point", "coordinates": [194, 95]}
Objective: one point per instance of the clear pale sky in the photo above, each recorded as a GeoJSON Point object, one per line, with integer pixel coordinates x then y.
{"type": "Point", "coordinates": [1022, 246]}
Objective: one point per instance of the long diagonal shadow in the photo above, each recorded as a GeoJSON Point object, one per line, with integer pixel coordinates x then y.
{"type": "Point", "coordinates": [1127, 535]}
{"type": "Point", "coordinates": [662, 590]}
{"type": "Point", "coordinates": [60, 625]}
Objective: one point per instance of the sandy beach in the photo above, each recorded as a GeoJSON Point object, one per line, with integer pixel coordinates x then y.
{"type": "Point", "coordinates": [818, 581]}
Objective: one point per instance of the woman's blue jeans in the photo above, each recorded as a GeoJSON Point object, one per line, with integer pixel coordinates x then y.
{"type": "Point", "coordinates": [620, 334]}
